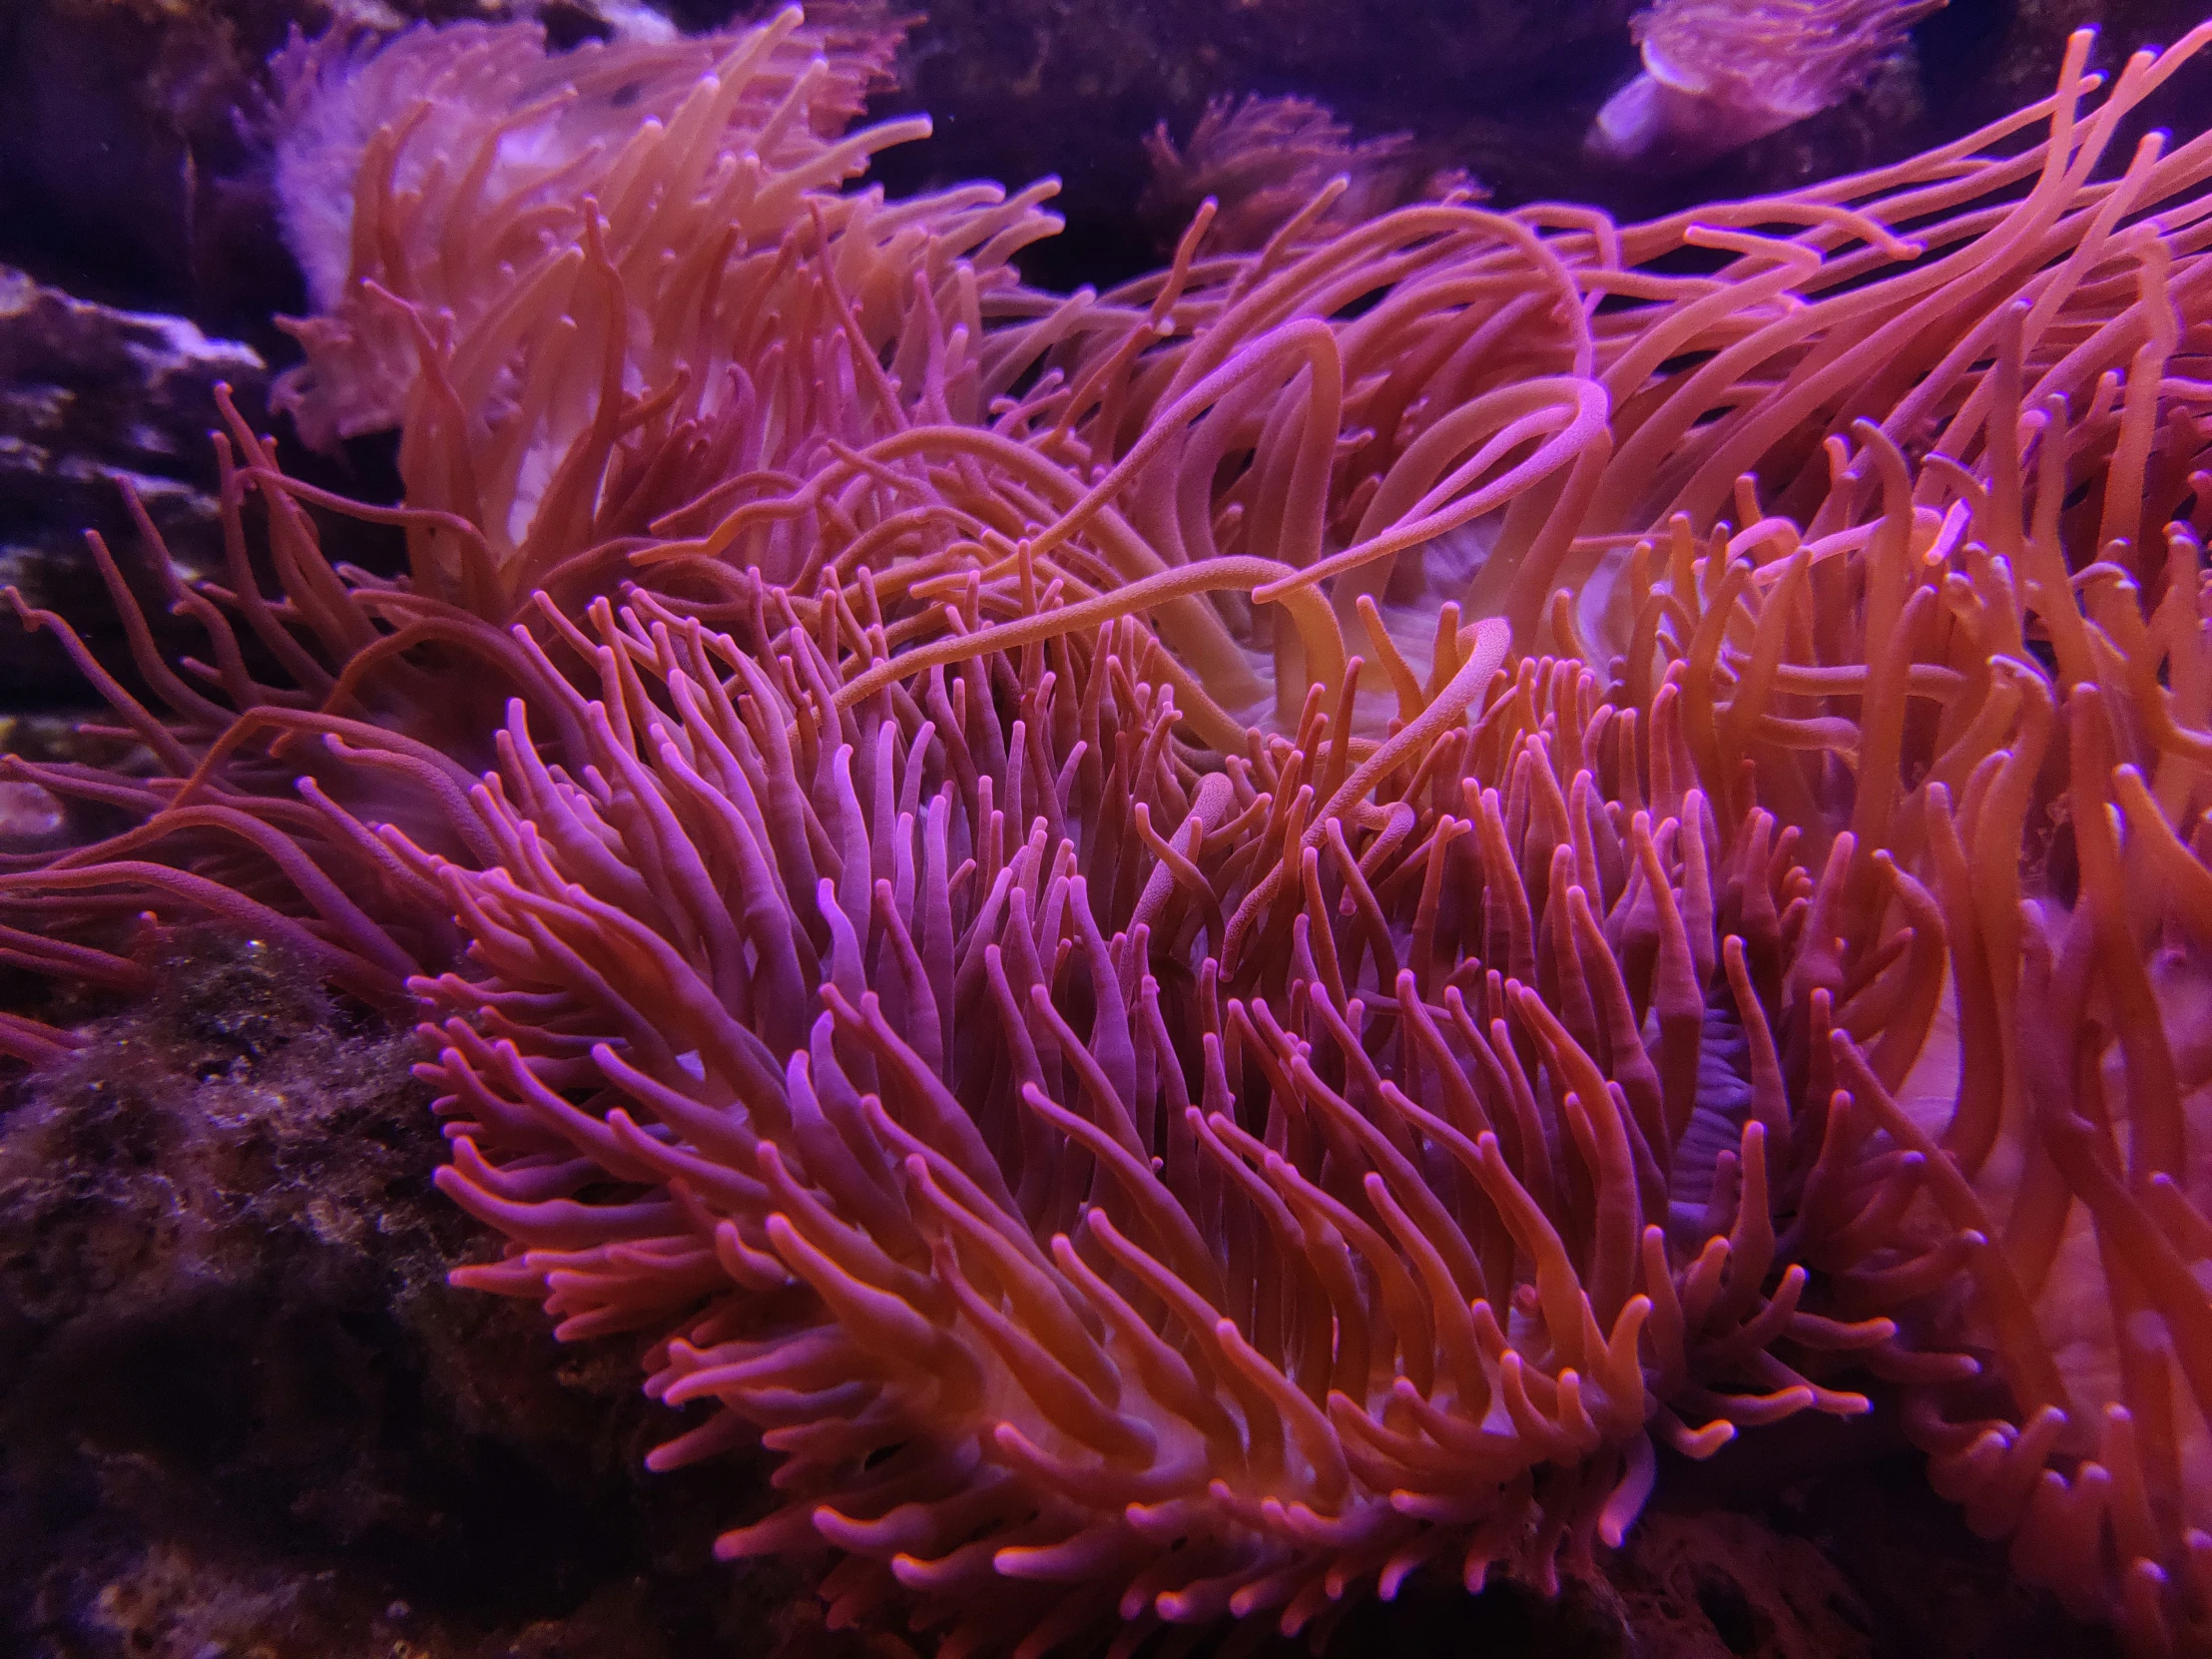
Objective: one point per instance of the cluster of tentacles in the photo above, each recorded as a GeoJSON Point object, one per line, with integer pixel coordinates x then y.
{"type": "Point", "coordinates": [974, 874]}
{"type": "Point", "coordinates": [1209, 1218]}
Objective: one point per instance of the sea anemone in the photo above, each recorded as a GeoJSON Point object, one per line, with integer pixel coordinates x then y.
{"type": "Point", "coordinates": [1264, 160]}
{"type": "Point", "coordinates": [1205, 944]}
{"type": "Point", "coordinates": [1719, 74]}
{"type": "Point", "coordinates": [1382, 1260]}
{"type": "Point", "coordinates": [593, 288]}
{"type": "Point", "coordinates": [1168, 1212]}
{"type": "Point", "coordinates": [2029, 736]}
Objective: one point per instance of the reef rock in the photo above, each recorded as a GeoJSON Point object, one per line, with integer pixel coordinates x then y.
{"type": "Point", "coordinates": [94, 401]}
{"type": "Point", "coordinates": [242, 1413]}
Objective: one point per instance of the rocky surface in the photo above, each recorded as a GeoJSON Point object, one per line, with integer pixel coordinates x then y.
{"type": "Point", "coordinates": [95, 401]}
{"type": "Point", "coordinates": [242, 1413]}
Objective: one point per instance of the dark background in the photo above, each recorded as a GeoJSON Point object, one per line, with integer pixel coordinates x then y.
{"type": "Point", "coordinates": [130, 171]}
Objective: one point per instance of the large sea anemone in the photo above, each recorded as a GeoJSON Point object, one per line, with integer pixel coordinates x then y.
{"type": "Point", "coordinates": [1205, 945]}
